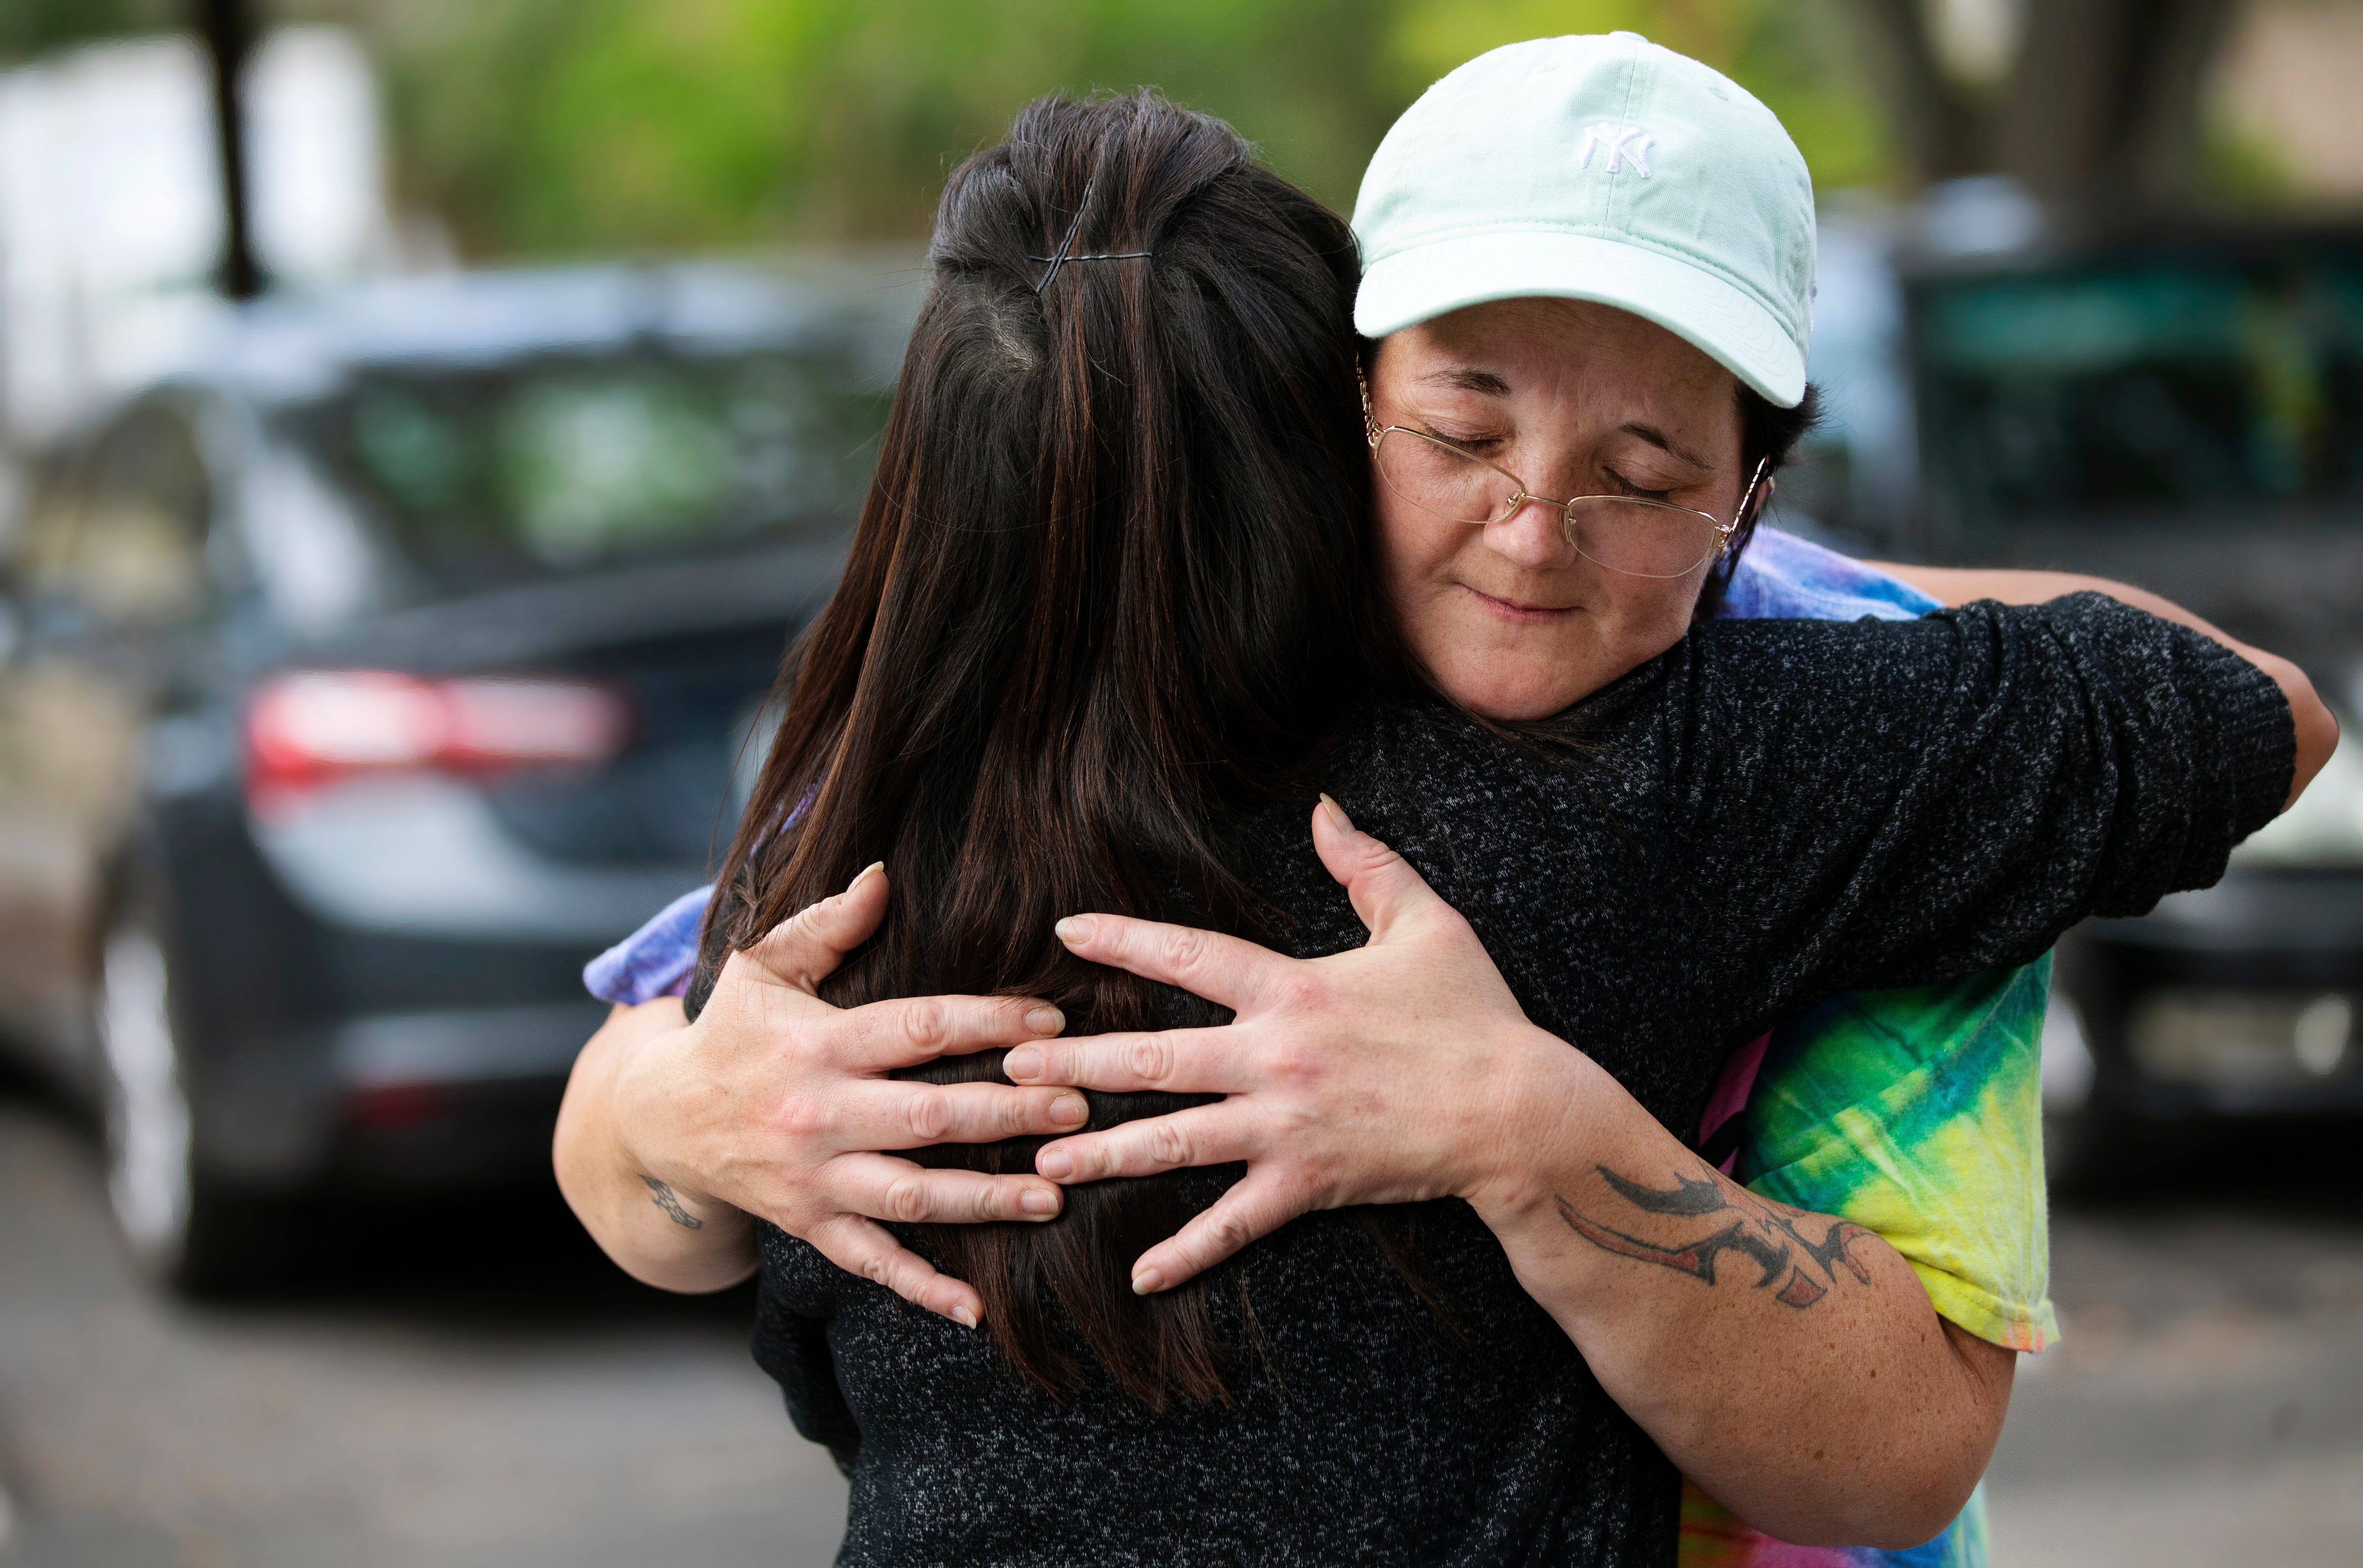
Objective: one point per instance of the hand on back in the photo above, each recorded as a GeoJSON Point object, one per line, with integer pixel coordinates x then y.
{"type": "Point", "coordinates": [777, 1103]}
{"type": "Point", "coordinates": [1401, 1070]}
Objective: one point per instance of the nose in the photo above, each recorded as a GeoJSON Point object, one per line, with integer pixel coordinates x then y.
{"type": "Point", "coordinates": [1532, 537]}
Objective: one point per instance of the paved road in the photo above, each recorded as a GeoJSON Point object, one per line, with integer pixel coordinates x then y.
{"type": "Point", "coordinates": [2204, 1407]}
{"type": "Point", "coordinates": [438, 1403]}
{"type": "Point", "coordinates": [475, 1388]}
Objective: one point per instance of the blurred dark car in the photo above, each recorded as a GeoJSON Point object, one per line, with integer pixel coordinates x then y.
{"type": "Point", "coordinates": [371, 677]}
{"type": "Point", "coordinates": [2184, 411]}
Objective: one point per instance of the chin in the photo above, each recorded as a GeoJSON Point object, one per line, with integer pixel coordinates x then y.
{"type": "Point", "coordinates": [1518, 700]}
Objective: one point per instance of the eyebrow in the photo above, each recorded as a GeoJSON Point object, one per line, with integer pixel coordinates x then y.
{"type": "Point", "coordinates": [1484, 383]}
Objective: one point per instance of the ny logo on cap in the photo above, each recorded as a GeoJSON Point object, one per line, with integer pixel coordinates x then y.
{"type": "Point", "coordinates": [1629, 142]}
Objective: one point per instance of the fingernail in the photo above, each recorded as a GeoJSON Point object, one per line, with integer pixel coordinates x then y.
{"type": "Point", "coordinates": [1148, 1282]}
{"type": "Point", "coordinates": [1058, 1167]}
{"type": "Point", "coordinates": [1023, 1064]}
{"type": "Point", "coordinates": [1046, 1019]}
{"type": "Point", "coordinates": [1069, 1110]}
{"type": "Point", "coordinates": [966, 1317]}
{"type": "Point", "coordinates": [1075, 928]}
{"type": "Point", "coordinates": [1337, 814]}
{"type": "Point", "coordinates": [1034, 1200]}
{"type": "Point", "coordinates": [858, 878]}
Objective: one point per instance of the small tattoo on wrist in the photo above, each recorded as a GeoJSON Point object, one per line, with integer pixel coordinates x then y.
{"type": "Point", "coordinates": [664, 1198]}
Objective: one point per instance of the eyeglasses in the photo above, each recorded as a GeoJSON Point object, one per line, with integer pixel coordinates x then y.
{"type": "Point", "coordinates": [1624, 533]}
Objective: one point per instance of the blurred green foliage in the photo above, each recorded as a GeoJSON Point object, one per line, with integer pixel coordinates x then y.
{"type": "Point", "coordinates": [553, 126]}
{"type": "Point", "coordinates": [29, 27]}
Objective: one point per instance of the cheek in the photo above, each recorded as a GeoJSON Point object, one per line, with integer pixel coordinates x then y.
{"type": "Point", "coordinates": [1650, 614]}
{"type": "Point", "coordinates": [1417, 551]}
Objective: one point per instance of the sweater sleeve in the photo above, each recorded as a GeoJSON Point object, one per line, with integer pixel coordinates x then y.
{"type": "Point", "coordinates": [1902, 803]}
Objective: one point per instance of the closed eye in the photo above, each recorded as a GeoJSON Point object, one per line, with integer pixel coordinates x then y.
{"type": "Point", "coordinates": [1624, 487]}
{"type": "Point", "coordinates": [1475, 445]}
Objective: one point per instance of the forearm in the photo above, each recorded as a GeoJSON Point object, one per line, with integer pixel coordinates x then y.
{"type": "Point", "coordinates": [1790, 1364]}
{"type": "Point", "coordinates": [2317, 730]}
{"type": "Point", "coordinates": [655, 1232]}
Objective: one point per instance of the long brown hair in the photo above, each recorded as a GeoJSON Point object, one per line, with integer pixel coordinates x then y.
{"type": "Point", "coordinates": [1113, 584]}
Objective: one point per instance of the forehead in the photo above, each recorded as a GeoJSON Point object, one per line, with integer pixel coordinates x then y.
{"type": "Point", "coordinates": [1522, 344]}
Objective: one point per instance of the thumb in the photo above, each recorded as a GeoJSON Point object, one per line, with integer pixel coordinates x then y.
{"type": "Point", "coordinates": [1386, 890]}
{"type": "Point", "coordinates": [806, 949]}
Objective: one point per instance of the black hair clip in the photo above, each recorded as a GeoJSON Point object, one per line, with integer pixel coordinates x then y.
{"type": "Point", "coordinates": [1067, 245]}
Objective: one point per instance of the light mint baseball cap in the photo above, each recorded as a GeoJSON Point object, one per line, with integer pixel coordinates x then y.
{"type": "Point", "coordinates": [1600, 167]}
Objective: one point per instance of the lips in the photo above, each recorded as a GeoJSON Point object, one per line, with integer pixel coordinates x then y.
{"type": "Point", "coordinates": [1514, 611]}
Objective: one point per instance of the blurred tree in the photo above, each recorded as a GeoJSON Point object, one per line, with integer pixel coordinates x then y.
{"type": "Point", "coordinates": [561, 125]}
{"type": "Point", "coordinates": [1795, 56]}
{"type": "Point", "coordinates": [29, 27]}
{"type": "Point", "coordinates": [2096, 104]}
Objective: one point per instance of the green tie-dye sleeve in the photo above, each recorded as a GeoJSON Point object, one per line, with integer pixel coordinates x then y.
{"type": "Point", "coordinates": [1918, 1114]}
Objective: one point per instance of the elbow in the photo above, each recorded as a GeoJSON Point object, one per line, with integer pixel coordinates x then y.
{"type": "Point", "coordinates": [701, 1275]}
{"type": "Point", "coordinates": [2315, 726]}
{"type": "Point", "coordinates": [1921, 1514]}
{"type": "Point", "coordinates": [1898, 1509]}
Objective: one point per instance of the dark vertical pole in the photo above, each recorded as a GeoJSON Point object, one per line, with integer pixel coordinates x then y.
{"type": "Point", "coordinates": [228, 32]}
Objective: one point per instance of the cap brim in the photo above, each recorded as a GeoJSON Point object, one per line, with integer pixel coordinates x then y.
{"type": "Point", "coordinates": [1427, 281]}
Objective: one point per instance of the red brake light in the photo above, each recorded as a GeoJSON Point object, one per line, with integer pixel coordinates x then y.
{"type": "Point", "coordinates": [316, 726]}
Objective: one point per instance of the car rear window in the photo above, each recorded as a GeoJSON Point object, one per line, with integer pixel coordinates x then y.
{"type": "Point", "coordinates": [2179, 384]}
{"type": "Point", "coordinates": [563, 464]}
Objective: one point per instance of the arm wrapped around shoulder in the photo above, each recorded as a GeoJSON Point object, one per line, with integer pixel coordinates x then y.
{"type": "Point", "coordinates": [2203, 743]}
{"type": "Point", "coordinates": [1901, 803]}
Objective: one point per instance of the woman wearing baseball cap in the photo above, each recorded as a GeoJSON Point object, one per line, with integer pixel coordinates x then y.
{"type": "Point", "coordinates": [1494, 1382]}
{"type": "Point", "coordinates": [1624, 206]}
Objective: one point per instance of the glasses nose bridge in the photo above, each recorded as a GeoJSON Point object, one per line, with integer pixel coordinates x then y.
{"type": "Point", "coordinates": [1524, 497]}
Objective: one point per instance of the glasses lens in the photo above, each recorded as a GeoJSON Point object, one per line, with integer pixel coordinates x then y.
{"type": "Point", "coordinates": [1642, 537]}
{"type": "Point", "coordinates": [1443, 479]}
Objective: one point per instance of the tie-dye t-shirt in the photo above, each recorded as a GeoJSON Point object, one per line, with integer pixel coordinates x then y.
{"type": "Point", "coordinates": [1916, 1114]}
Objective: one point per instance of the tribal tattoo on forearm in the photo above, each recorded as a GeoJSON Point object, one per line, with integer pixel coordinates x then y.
{"type": "Point", "coordinates": [1760, 1232]}
{"type": "Point", "coordinates": [664, 1198]}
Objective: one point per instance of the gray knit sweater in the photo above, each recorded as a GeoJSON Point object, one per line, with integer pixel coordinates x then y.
{"type": "Point", "coordinates": [1767, 813]}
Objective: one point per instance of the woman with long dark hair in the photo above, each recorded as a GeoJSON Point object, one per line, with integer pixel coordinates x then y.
{"type": "Point", "coordinates": [1111, 621]}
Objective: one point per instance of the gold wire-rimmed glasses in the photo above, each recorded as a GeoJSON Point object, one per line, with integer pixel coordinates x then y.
{"type": "Point", "coordinates": [1630, 534]}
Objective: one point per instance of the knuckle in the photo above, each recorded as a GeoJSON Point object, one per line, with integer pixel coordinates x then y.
{"type": "Point", "coordinates": [906, 1200]}
{"type": "Point", "coordinates": [1228, 1231]}
{"type": "Point", "coordinates": [1182, 948]}
{"type": "Point", "coordinates": [1300, 991]}
{"type": "Point", "coordinates": [807, 1120]}
{"type": "Point", "coordinates": [928, 1117]}
{"type": "Point", "coordinates": [1151, 1058]}
{"type": "Point", "coordinates": [926, 1023]}
{"type": "Point", "coordinates": [1293, 1061]}
{"type": "Point", "coordinates": [1169, 1144]}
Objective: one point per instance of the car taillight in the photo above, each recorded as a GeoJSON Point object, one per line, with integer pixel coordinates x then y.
{"type": "Point", "coordinates": [318, 725]}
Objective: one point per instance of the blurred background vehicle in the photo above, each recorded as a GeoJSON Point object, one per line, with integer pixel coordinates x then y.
{"type": "Point", "coordinates": [374, 674]}
{"type": "Point", "coordinates": [2180, 406]}
{"type": "Point", "coordinates": [2176, 404]}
